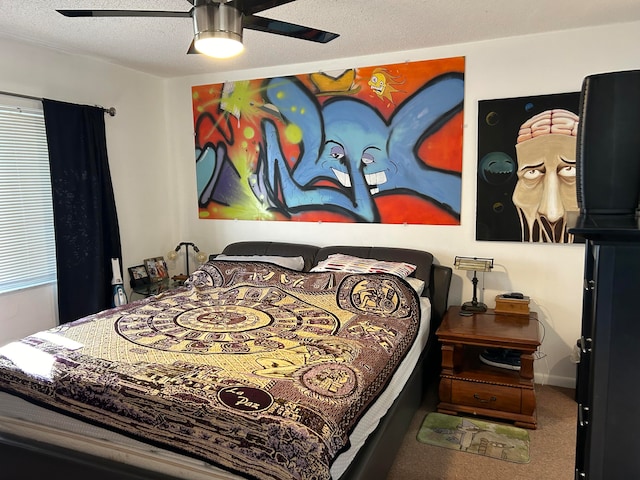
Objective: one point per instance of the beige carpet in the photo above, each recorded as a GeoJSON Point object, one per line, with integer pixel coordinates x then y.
{"type": "Point", "coordinates": [552, 447]}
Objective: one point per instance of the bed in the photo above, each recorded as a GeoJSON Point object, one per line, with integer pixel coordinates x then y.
{"type": "Point", "coordinates": [363, 448]}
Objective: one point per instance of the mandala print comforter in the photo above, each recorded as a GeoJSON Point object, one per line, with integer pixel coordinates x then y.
{"type": "Point", "coordinates": [252, 367]}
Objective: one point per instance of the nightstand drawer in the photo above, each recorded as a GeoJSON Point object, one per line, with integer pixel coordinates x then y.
{"type": "Point", "coordinates": [482, 395]}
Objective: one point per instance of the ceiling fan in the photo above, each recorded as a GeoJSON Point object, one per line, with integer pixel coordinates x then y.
{"type": "Point", "coordinates": [218, 24]}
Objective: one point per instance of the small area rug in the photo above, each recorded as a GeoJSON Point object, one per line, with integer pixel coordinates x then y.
{"type": "Point", "coordinates": [471, 435]}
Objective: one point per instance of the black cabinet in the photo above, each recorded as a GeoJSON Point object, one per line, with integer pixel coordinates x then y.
{"type": "Point", "coordinates": [608, 381]}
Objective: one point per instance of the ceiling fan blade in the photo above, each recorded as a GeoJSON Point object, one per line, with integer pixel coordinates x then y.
{"type": "Point", "coordinates": [251, 7]}
{"type": "Point", "coordinates": [124, 13]}
{"type": "Point", "coordinates": [279, 27]}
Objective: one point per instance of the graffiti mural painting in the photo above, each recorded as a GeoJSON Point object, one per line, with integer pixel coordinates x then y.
{"type": "Point", "coordinates": [377, 144]}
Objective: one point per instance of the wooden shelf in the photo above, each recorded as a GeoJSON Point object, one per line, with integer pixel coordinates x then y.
{"type": "Point", "coordinates": [474, 369]}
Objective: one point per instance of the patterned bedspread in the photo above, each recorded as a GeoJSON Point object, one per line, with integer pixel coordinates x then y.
{"type": "Point", "coordinates": [255, 368]}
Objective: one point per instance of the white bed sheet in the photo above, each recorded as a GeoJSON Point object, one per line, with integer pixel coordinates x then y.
{"type": "Point", "coordinates": [24, 419]}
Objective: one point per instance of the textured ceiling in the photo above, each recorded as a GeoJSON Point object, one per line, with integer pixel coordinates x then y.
{"type": "Point", "coordinates": [158, 45]}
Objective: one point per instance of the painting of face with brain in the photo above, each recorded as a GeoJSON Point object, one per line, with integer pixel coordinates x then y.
{"type": "Point", "coordinates": [378, 144]}
{"type": "Point", "coordinates": [527, 168]}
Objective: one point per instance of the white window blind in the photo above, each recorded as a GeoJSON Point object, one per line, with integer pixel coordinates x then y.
{"type": "Point", "coordinates": [27, 244]}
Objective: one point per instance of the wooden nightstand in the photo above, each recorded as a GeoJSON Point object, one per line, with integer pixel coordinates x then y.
{"type": "Point", "coordinates": [469, 386]}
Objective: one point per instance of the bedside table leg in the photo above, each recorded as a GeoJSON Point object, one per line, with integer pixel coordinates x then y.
{"type": "Point", "coordinates": [526, 367]}
{"type": "Point", "coordinates": [447, 359]}
{"type": "Point", "coordinates": [452, 356]}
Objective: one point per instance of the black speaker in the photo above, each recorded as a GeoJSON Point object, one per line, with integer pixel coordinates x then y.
{"type": "Point", "coordinates": [608, 144]}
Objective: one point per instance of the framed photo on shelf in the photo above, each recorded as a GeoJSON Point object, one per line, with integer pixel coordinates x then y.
{"type": "Point", "coordinates": [156, 269]}
{"type": "Point", "coordinates": [138, 276]}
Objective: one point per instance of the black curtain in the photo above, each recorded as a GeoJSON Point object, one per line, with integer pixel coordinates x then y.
{"type": "Point", "coordinates": [85, 219]}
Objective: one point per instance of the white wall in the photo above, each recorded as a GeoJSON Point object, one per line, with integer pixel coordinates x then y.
{"type": "Point", "coordinates": [152, 162]}
{"type": "Point", "coordinates": [137, 144]}
{"type": "Point", "coordinates": [533, 65]}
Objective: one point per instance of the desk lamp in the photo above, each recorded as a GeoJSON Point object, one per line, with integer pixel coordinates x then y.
{"type": "Point", "coordinates": [474, 264]}
{"type": "Point", "coordinates": [201, 257]}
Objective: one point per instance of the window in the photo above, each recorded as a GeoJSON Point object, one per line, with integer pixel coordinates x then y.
{"type": "Point", "coordinates": [27, 244]}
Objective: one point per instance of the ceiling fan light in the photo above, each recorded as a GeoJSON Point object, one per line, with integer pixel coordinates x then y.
{"type": "Point", "coordinates": [218, 29]}
{"type": "Point", "coordinates": [218, 44]}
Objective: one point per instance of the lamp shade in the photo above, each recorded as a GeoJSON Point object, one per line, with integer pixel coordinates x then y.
{"type": "Point", "coordinates": [473, 263]}
{"type": "Point", "coordinates": [218, 44]}
{"type": "Point", "coordinates": [201, 257]}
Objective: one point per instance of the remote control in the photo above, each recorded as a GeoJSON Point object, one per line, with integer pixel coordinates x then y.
{"type": "Point", "coordinates": [517, 295]}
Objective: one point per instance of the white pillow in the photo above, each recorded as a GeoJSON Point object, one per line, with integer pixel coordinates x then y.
{"type": "Point", "coordinates": [416, 284]}
{"type": "Point", "coordinates": [293, 263]}
{"type": "Point", "coordinates": [346, 263]}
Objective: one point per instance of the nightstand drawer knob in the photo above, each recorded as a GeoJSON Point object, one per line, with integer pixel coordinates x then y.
{"type": "Point", "coordinates": [484, 400]}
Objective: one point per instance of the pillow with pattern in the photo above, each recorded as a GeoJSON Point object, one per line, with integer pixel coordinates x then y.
{"type": "Point", "coordinates": [339, 262]}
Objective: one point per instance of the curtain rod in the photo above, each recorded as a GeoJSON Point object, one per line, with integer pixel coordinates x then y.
{"type": "Point", "coordinates": [111, 111]}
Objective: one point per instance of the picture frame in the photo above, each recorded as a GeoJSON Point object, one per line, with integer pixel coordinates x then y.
{"type": "Point", "coordinates": [138, 276]}
{"type": "Point", "coordinates": [156, 269]}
